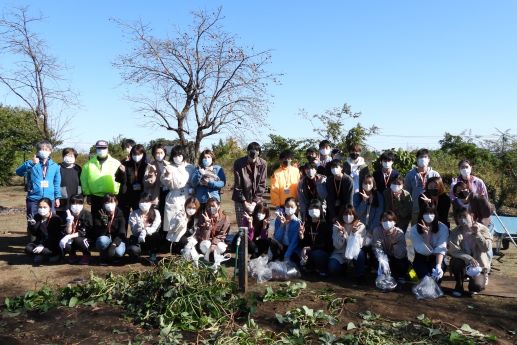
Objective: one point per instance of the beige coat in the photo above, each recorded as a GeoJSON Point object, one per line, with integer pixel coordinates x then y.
{"type": "Point", "coordinates": [392, 243]}
{"type": "Point", "coordinates": [482, 243]}
{"type": "Point", "coordinates": [152, 179]}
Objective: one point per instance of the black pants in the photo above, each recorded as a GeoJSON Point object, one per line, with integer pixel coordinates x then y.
{"type": "Point", "coordinates": [476, 284]}
{"type": "Point", "coordinates": [278, 250]}
{"type": "Point", "coordinates": [398, 267]}
{"type": "Point", "coordinates": [30, 247]}
{"type": "Point", "coordinates": [128, 202]}
{"type": "Point", "coordinates": [423, 265]}
{"type": "Point", "coordinates": [176, 247]}
{"type": "Point", "coordinates": [135, 249]}
{"type": "Point", "coordinates": [78, 243]}
{"type": "Point", "coordinates": [96, 205]}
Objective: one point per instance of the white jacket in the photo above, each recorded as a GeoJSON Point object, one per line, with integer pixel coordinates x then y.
{"type": "Point", "coordinates": [339, 240]}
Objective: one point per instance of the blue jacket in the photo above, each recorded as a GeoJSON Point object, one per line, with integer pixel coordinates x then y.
{"type": "Point", "coordinates": [374, 218]}
{"type": "Point", "coordinates": [203, 193]}
{"type": "Point", "coordinates": [36, 182]}
{"type": "Point", "coordinates": [293, 229]}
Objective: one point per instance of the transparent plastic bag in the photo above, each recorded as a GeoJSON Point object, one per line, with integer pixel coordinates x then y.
{"type": "Point", "coordinates": [284, 270]}
{"type": "Point", "coordinates": [386, 282]}
{"type": "Point", "coordinates": [427, 289]}
{"type": "Point", "coordinates": [353, 247]}
{"type": "Point", "coordinates": [258, 269]}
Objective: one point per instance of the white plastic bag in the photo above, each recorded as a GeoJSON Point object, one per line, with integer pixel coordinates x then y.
{"type": "Point", "coordinates": [258, 269]}
{"type": "Point", "coordinates": [427, 289]}
{"type": "Point", "coordinates": [284, 270]}
{"type": "Point", "coordinates": [353, 247]}
{"type": "Point", "coordinates": [386, 282]}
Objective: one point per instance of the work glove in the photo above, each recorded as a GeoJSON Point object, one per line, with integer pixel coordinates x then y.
{"type": "Point", "coordinates": [64, 241]}
{"type": "Point", "coordinates": [38, 249]}
{"type": "Point", "coordinates": [141, 236]}
{"type": "Point", "coordinates": [437, 273]}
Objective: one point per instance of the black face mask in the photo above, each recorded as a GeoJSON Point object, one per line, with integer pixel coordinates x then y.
{"type": "Point", "coordinates": [354, 155]}
{"type": "Point", "coordinates": [311, 159]}
{"type": "Point", "coordinates": [286, 162]}
{"type": "Point", "coordinates": [463, 194]}
{"type": "Point", "coordinates": [432, 192]}
{"type": "Point", "coordinates": [252, 154]}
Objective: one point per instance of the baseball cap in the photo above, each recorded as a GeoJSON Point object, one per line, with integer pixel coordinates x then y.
{"type": "Point", "coordinates": [101, 143]}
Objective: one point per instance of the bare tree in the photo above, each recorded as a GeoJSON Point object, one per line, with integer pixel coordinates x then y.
{"type": "Point", "coordinates": [198, 83]}
{"type": "Point", "coordinates": [34, 75]}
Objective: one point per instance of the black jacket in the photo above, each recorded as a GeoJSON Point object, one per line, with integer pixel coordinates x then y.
{"type": "Point", "coordinates": [117, 231]}
{"type": "Point", "coordinates": [339, 195]}
{"type": "Point", "coordinates": [85, 224]}
{"type": "Point", "coordinates": [130, 175]}
{"type": "Point", "coordinates": [48, 233]}
{"type": "Point", "coordinates": [380, 182]}
{"type": "Point", "coordinates": [317, 237]}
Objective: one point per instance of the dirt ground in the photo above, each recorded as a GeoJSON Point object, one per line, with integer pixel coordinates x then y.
{"type": "Point", "coordinates": [105, 324]}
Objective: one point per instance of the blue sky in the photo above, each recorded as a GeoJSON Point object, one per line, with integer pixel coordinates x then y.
{"type": "Point", "coordinates": [415, 69]}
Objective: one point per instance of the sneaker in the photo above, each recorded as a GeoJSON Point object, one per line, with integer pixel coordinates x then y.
{"type": "Point", "coordinates": [457, 293]}
{"type": "Point", "coordinates": [153, 258]}
{"type": "Point", "coordinates": [85, 260]}
{"type": "Point", "coordinates": [38, 259]}
{"type": "Point", "coordinates": [72, 258]}
{"type": "Point", "coordinates": [322, 274]}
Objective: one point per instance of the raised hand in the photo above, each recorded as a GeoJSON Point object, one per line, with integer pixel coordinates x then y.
{"type": "Point", "coordinates": [424, 227]}
{"type": "Point", "coordinates": [425, 198]}
{"type": "Point", "coordinates": [205, 216]}
{"type": "Point", "coordinates": [35, 159]}
{"type": "Point", "coordinates": [301, 231]}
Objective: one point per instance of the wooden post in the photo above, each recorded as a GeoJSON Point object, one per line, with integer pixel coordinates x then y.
{"type": "Point", "coordinates": [243, 259]}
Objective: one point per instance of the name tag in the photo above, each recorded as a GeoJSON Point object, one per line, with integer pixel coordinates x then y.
{"type": "Point", "coordinates": [287, 191]}
{"type": "Point", "coordinates": [44, 184]}
{"type": "Point", "coordinates": [137, 186]}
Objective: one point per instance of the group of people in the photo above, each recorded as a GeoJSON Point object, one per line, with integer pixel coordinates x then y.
{"type": "Point", "coordinates": [331, 215]}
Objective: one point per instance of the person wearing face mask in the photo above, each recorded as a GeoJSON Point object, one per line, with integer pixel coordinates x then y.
{"type": "Point", "coordinates": [176, 178]}
{"type": "Point", "coordinates": [347, 225]}
{"type": "Point", "coordinates": [384, 175]}
{"type": "Point", "coordinates": [130, 175]}
{"type": "Point", "coordinates": [390, 240]}
{"type": "Point", "coordinates": [312, 187]}
{"type": "Point", "coordinates": [355, 166]}
{"type": "Point", "coordinates": [285, 242]}
{"type": "Point", "coordinates": [398, 200]}
{"type": "Point", "coordinates": [369, 204]}
{"type": "Point", "coordinates": [325, 150]}
{"type": "Point", "coordinates": [249, 177]}
{"type": "Point", "coordinates": [144, 224]}
{"type": "Point", "coordinates": [284, 181]}
{"type": "Point", "coordinates": [429, 239]}
{"type": "Point", "coordinates": [258, 230]}
{"type": "Point", "coordinates": [70, 180]}
{"type": "Point", "coordinates": [212, 231]}
{"type": "Point", "coordinates": [340, 190]}
{"type": "Point", "coordinates": [98, 177]}
{"type": "Point", "coordinates": [474, 184]}
{"type": "Point", "coordinates": [462, 196]}
{"type": "Point", "coordinates": [208, 179]}
{"type": "Point", "coordinates": [126, 145]}
{"type": "Point", "coordinates": [315, 240]}
{"type": "Point", "coordinates": [43, 179]}
{"type": "Point", "coordinates": [78, 231]}
{"type": "Point", "coordinates": [110, 226]}
{"type": "Point", "coordinates": [417, 178]}
{"type": "Point", "coordinates": [468, 245]}
{"type": "Point", "coordinates": [45, 227]}
{"type": "Point", "coordinates": [312, 156]}
{"type": "Point", "coordinates": [184, 224]}
{"type": "Point", "coordinates": [435, 195]}
{"type": "Point", "coordinates": [152, 177]}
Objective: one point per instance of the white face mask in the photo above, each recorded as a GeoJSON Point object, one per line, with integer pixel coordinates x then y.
{"type": "Point", "coordinates": [110, 207]}
{"type": "Point", "coordinates": [261, 216]}
{"type": "Point", "coordinates": [69, 160]}
{"type": "Point", "coordinates": [367, 187]}
{"type": "Point", "coordinates": [76, 208]}
{"type": "Point", "coordinates": [102, 153]}
{"type": "Point", "coordinates": [311, 173]}
{"type": "Point", "coordinates": [178, 159]}
{"type": "Point", "coordinates": [290, 211]}
{"type": "Point", "coordinates": [387, 165]}
{"type": "Point", "coordinates": [395, 188]}
{"type": "Point", "coordinates": [314, 213]}
{"type": "Point", "coordinates": [160, 157]}
{"type": "Point", "coordinates": [422, 162]}
{"type": "Point", "coordinates": [144, 206]}
{"type": "Point", "coordinates": [213, 210]}
{"type": "Point", "coordinates": [388, 225]}
{"type": "Point", "coordinates": [428, 218]}
{"type": "Point", "coordinates": [325, 152]}
{"type": "Point", "coordinates": [348, 218]}
{"type": "Point", "coordinates": [335, 171]}
{"type": "Point", "coordinates": [466, 221]}
{"type": "Point", "coordinates": [465, 172]}
{"type": "Point", "coordinates": [43, 211]}
{"type": "Point", "coordinates": [137, 158]}
{"type": "Point", "coordinates": [191, 211]}
{"type": "Point", "coordinates": [43, 154]}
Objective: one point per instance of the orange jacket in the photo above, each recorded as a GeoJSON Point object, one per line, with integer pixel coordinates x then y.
{"type": "Point", "coordinates": [284, 183]}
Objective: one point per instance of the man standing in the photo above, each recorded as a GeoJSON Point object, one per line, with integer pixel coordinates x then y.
{"type": "Point", "coordinates": [98, 176]}
{"type": "Point", "coordinates": [43, 178]}
{"type": "Point", "coordinates": [249, 181]}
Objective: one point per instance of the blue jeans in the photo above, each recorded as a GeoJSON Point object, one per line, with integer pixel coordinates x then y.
{"type": "Point", "coordinates": [318, 259]}
{"type": "Point", "coordinates": [103, 243]}
{"type": "Point", "coordinates": [335, 268]}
